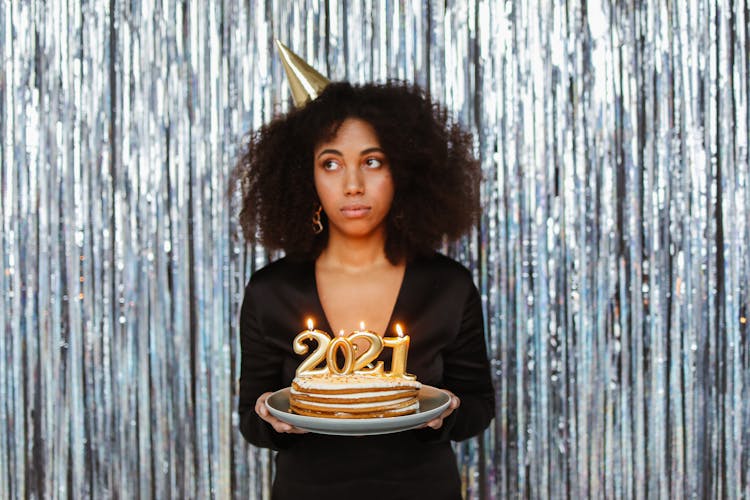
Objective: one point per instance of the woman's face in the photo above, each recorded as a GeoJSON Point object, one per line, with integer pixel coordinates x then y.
{"type": "Point", "coordinates": [353, 180]}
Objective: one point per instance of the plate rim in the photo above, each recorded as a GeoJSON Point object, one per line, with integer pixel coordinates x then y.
{"type": "Point", "coordinates": [378, 422]}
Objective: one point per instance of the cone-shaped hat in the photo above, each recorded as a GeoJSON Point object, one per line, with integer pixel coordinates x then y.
{"type": "Point", "coordinates": [305, 82]}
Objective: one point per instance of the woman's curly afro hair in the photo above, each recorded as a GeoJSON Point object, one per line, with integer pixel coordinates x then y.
{"type": "Point", "coordinates": [435, 174]}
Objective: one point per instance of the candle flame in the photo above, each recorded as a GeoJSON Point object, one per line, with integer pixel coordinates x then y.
{"type": "Point", "coordinates": [341, 332]}
{"type": "Point", "coordinates": [399, 331]}
{"type": "Point", "coordinates": [309, 323]}
{"type": "Point", "coordinates": [361, 325]}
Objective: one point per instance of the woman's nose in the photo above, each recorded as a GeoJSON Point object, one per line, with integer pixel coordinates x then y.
{"type": "Point", "coordinates": [354, 182]}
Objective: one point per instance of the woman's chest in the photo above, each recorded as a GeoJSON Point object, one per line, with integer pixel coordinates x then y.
{"type": "Point", "coordinates": [350, 302]}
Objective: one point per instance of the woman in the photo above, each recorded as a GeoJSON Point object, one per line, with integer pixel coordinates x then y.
{"type": "Point", "coordinates": [358, 188]}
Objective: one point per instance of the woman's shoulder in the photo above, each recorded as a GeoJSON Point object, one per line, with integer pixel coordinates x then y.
{"type": "Point", "coordinates": [283, 270]}
{"type": "Point", "coordinates": [445, 269]}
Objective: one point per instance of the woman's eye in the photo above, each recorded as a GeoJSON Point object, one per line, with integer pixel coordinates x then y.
{"type": "Point", "coordinates": [330, 165]}
{"type": "Point", "coordinates": [373, 163]}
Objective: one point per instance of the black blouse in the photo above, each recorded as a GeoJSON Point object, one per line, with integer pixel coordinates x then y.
{"type": "Point", "coordinates": [440, 309]}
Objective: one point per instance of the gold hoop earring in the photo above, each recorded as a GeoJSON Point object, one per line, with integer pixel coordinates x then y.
{"type": "Point", "coordinates": [317, 224]}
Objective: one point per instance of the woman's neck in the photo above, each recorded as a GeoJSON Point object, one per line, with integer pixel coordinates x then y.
{"type": "Point", "coordinates": [354, 254]}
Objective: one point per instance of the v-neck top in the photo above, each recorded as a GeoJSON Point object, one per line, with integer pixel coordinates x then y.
{"type": "Point", "coordinates": [440, 309]}
{"type": "Point", "coordinates": [326, 321]}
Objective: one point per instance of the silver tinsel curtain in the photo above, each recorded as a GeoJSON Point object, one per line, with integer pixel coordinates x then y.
{"type": "Point", "coordinates": [613, 253]}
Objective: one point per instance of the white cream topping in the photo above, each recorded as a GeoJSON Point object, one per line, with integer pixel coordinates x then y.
{"type": "Point", "coordinates": [353, 395]}
{"type": "Point", "coordinates": [338, 382]}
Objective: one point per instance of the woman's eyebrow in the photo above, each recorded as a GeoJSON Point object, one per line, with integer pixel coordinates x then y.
{"type": "Point", "coordinates": [337, 152]}
{"type": "Point", "coordinates": [334, 151]}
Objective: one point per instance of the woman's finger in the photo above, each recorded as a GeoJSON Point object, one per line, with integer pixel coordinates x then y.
{"type": "Point", "coordinates": [278, 425]}
{"type": "Point", "coordinates": [262, 411]}
{"type": "Point", "coordinates": [437, 423]}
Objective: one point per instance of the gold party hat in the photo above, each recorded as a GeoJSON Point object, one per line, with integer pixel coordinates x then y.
{"type": "Point", "coordinates": [305, 82]}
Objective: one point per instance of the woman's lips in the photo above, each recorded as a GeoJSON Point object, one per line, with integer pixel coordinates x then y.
{"type": "Point", "coordinates": [355, 211]}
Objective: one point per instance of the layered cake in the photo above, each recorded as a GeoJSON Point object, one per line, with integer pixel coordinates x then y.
{"type": "Point", "coordinates": [353, 396]}
{"type": "Point", "coordinates": [351, 386]}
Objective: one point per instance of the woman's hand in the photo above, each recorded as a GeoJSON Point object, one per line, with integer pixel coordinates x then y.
{"type": "Point", "coordinates": [278, 425]}
{"type": "Point", "coordinates": [437, 423]}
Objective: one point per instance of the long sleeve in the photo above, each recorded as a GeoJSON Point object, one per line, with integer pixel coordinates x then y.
{"type": "Point", "coordinates": [466, 373]}
{"type": "Point", "coordinates": [260, 372]}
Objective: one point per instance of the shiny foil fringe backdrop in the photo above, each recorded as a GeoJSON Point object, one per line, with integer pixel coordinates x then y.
{"type": "Point", "coordinates": [612, 256]}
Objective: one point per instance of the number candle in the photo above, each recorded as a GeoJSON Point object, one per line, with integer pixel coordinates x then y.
{"type": "Point", "coordinates": [363, 362]}
{"type": "Point", "coordinates": [343, 344]}
{"type": "Point", "coordinates": [400, 346]}
{"type": "Point", "coordinates": [307, 367]}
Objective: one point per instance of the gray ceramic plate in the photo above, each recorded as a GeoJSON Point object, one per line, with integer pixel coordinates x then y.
{"type": "Point", "coordinates": [432, 402]}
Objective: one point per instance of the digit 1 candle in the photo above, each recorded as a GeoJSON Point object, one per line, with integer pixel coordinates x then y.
{"type": "Point", "coordinates": [400, 346]}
